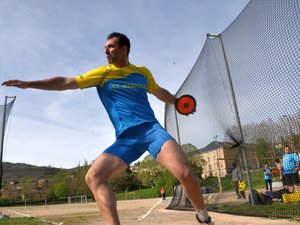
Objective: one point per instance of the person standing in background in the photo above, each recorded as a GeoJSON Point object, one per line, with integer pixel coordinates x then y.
{"type": "Point", "coordinates": [163, 193]}
{"type": "Point", "coordinates": [236, 179]}
{"type": "Point", "coordinates": [290, 167]}
{"type": "Point", "coordinates": [268, 177]}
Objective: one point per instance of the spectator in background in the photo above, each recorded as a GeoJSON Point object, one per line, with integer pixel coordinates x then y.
{"type": "Point", "coordinates": [236, 179]}
{"type": "Point", "coordinates": [268, 177]}
{"type": "Point", "coordinates": [163, 193]}
{"type": "Point", "coordinates": [290, 167]}
{"type": "Point", "coordinates": [278, 163]}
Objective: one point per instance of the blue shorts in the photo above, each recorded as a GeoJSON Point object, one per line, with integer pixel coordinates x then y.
{"type": "Point", "coordinates": [132, 143]}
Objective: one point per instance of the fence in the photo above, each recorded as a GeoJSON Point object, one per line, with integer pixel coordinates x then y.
{"type": "Point", "coordinates": [246, 82]}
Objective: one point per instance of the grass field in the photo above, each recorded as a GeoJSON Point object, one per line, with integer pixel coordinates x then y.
{"type": "Point", "coordinates": [132, 212]}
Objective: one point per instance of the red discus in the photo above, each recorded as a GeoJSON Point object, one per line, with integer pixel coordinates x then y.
{"type": "Point", "coordinates": [186, 104]}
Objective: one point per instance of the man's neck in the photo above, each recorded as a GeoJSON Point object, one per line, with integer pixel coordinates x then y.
{"type": "Point", "coordinates": [121, 64]}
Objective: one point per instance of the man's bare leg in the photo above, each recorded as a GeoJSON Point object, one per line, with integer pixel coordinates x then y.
{"type": "Point", "coordinates": [104, 167]}
{"type": "Point", "coordinates": [173, 159]}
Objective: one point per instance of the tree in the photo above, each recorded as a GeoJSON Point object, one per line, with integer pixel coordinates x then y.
{"type": "Point", "coordinates": [43, 188]}
{"type": "Point", "coordinates": [261, 150]}
{"type": "Point", "coordinates": [149, 171]}
{"type": "Point", "coordinates": [61, 189]}
{"type": "Point", "coordinates": [166, 180]}
{"type": "Point", "coordinates": [124, 181]}
{"type": "Point", "coordinates": [11, 192]}
{"type": "Point", "coordinates": [193, 156]}
{"type": "Point", "coordinates": [63, 184]}
{"type": "Point", "coordinates": [27, 186]}
{"type": "Point", "coordinates": [81, 186]}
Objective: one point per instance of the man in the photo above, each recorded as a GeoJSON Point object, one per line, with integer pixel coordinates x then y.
{"type": "Point", "coordinates": [290, 167]}
{"type": "Point", "coordinates": [122, 88]}
{"type": "Point", "coordinates": [236, 179]}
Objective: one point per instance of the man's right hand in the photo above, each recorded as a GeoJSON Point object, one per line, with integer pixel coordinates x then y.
{"type": "Point", "coordinates": [15, 83]}
{"type": "Point", "coordinates": [51, 84]}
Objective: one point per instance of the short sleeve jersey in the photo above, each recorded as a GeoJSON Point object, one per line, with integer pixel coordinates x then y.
{"type": "Point", "coordinates": [267, 175]}
{"type": "Point", "coordinates": [123, 92]}
{"type": "Point", "coordinates": [289, 163]}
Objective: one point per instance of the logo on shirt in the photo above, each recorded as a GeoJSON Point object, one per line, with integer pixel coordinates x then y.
{"type": "Point", "coordinates": [127, 86]}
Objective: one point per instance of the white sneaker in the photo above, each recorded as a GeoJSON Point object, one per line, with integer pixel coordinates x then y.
{"type": "Point", "coordinates": [208, 221]}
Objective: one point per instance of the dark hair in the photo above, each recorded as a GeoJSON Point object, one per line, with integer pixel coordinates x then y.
{"type": "Point", "coordinates": [123, 40]}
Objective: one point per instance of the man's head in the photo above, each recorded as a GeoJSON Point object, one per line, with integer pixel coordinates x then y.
{"type": "Point", "coordinates": [287, 149]}
{"type": "Point", "coordinates": [123, 40]}
{"type": "Point", "coordinates": [117, 48]}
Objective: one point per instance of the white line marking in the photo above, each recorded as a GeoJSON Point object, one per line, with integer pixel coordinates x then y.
{"type": "Point", "coordinates": [27, 215]}
{"type": "Point", "coordinates": [21, 214]}
{"type": "Point", "coordinates": [149, 211]}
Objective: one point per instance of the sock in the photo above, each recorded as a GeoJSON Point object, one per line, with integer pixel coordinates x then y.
{"type": "Point", "coordinates": [202, 214]}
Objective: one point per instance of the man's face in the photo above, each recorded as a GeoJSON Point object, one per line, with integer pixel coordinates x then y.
{"type": "Point", "coordinates": [114, 54]}
{"type": "Point", "coordinates": [286, 149]}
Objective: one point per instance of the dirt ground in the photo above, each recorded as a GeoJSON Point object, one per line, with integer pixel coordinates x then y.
{"type": "Point", "coordinates": [132, 212]}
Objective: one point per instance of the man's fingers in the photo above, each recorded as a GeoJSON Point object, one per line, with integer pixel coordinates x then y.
{"type": "Point", "coordinates": [15, 83]}
{"type": "Point", "coordinates": [10, 82]}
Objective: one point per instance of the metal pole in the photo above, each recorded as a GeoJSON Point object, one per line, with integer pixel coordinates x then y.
{"type": "Point", "coordinates": [2, 139]}
{"type": "Point", "coordinates": [177, 128]}
{"type": "Point", "coordinates": [218, 164]}
{"type": "Point", "coordinates": [2, 143]}
{"type": "Point", "coordinates": [219, 175]}
{"type": "Point", "coordinates": [176, 121]}
{"type": "Point", "coordinates": [236, 115]}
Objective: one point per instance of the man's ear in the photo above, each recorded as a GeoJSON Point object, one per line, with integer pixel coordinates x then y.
{"type": "Point", "coordinates": [124, 49]}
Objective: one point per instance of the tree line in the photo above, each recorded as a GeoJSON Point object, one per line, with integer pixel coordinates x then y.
{"type": "Point", "coordinates": [145, 174]}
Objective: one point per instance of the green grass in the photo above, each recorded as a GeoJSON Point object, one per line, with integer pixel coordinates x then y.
{"type": "Point", "coordinates": [256, 177]}
{"type": "Point", "coordinates": [22, 221]}
{"type": "Point", "coordinates": [139, 194]}
{"type": "Point", "coordinates": [275, 210]}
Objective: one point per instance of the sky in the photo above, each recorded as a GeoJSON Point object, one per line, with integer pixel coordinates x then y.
{"type": "Point", "coordinates": [41, 39]}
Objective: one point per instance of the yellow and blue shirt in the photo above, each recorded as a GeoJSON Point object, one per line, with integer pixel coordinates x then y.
{"type": "Point", "coordinates": [123, 92]}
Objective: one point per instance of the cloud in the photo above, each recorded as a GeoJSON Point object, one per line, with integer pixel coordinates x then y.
{"type": "Point", "coordinates": [40, 39]}
{"type": "Point", "coordinates": [41, 143]}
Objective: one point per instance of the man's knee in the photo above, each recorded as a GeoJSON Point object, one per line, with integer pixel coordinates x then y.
{"type": "Point", "coordinates": [93, 178]}
{"type": "Point", "coordinates": [185, 174]}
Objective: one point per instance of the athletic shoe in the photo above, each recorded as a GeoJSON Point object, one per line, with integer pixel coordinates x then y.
{"type": "Point", "coordinates": [208, 221]}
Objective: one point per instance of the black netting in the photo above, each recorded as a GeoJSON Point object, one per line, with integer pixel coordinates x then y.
{"type": "Point", "coordinates": [4, 114]}
{"type": "Point", "coordinates": [179, 200]}
{"type": "Point", "coordinates": [246, 81]}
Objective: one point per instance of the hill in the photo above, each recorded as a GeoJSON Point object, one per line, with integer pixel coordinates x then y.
{"type": "Point", "coordinates": [15, 171]}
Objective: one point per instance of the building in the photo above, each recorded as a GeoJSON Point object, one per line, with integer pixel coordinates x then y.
{"type": "Point", "coordinates": [219, 157]}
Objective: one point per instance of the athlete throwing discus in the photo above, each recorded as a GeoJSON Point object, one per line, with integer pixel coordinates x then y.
{"type": "Point", "coordinates": [122, 88]}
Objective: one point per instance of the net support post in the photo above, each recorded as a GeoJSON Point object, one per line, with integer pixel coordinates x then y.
{"type": "Point", "coordinates": [2, 137]}
{"type": "Point", "coordinates": [236, 112]}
